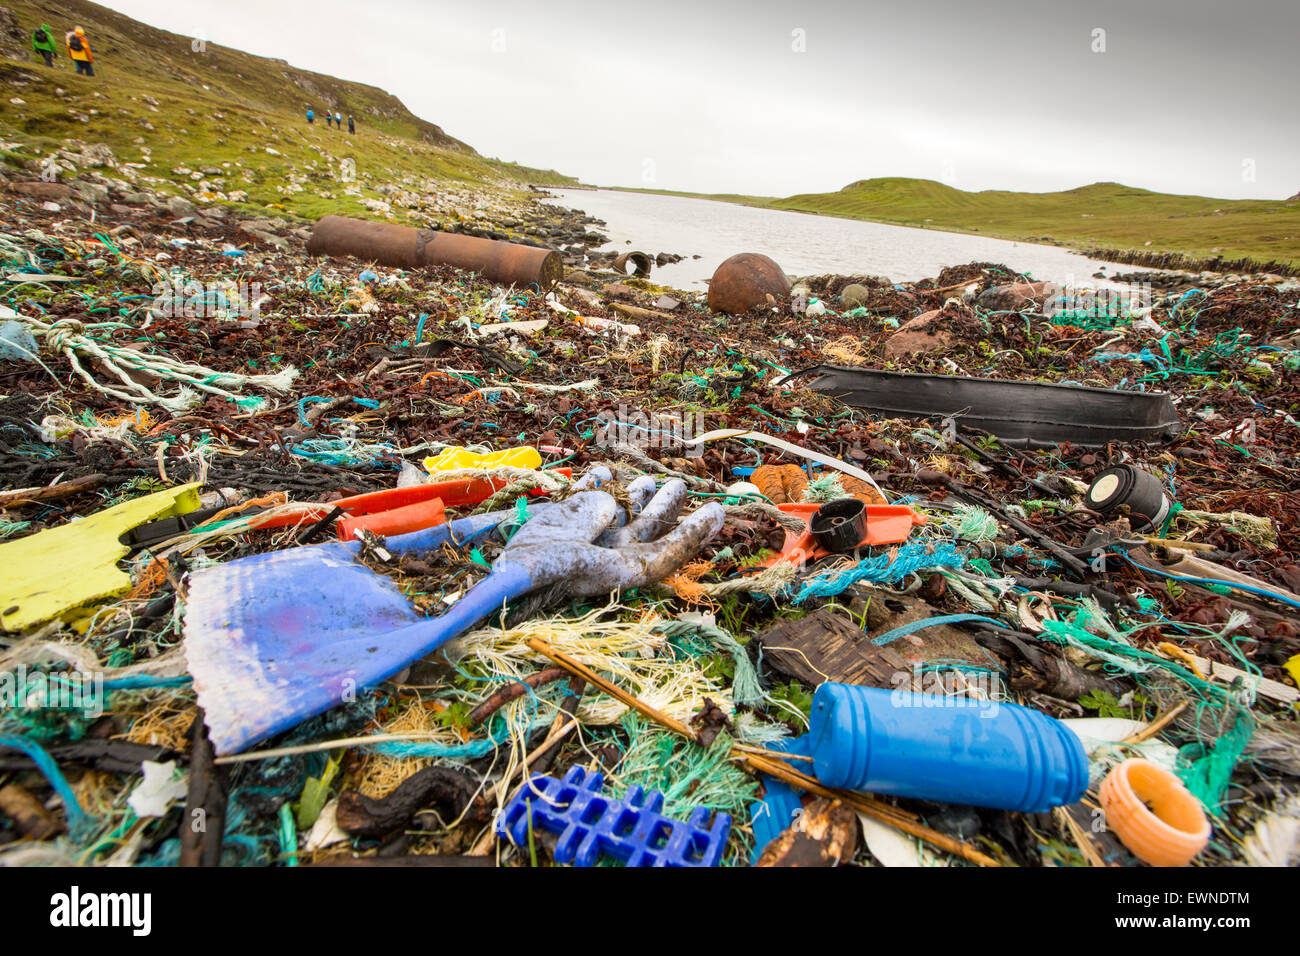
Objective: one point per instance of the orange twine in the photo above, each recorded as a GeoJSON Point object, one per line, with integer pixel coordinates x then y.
{"type": "Point", "coordinates": [140, 420]}
{"type": "Point", "coordinates": [1178, 653]}
{"type": "Point", "coordinates": [154, 574]}
{"type": "Point", "coordinates": [686, 583]}
{"type": "Point", "coordinates": [274, 498]}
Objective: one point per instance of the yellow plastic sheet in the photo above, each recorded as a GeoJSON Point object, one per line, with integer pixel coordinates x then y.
{"type": "Point", "coordinates": [453, 459]}
{"type": "Point", "coordinates": [54, 572]}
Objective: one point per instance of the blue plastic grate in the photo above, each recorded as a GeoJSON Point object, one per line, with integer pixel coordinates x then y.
{"type": "Point", "coordinates": [630, 829]}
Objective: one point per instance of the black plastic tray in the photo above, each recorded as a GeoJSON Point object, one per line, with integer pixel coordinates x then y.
{"type": "Point", "coordinates": [1021, 412]}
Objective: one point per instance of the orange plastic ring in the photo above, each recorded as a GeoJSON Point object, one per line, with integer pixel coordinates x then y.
{"type": "Point", "coordinates": [1153, 814]}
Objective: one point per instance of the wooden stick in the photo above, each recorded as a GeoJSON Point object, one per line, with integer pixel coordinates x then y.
{"type": "Point", "coordinates": [22, 496]}
{"type": "Point", "coordinates": [762, 752]}
{"type": "Point", "coordinates": [872, 807]}
{"type": "Point", "coordinates": [776, 768]}
{"type": "Point", "coordinates": [1081, 838]}
{"type": "Point", "coordinates": [636, 312]}
{"type": "Point", "coordinates": [591, 677]}
{"type": "Point", "coordinates": [859, 801]}
{"type": "Point", "coordinates": [952, 288]}
{"type": "Point", "coordinates": [510, 691]}
{"type": "Point", "coordinates": [1157, 725]}
{"type": "Point", "coordinates": [540, 760]}
{"type": "Point", "coordinates": [553, 737]}
{"type": "Point", "coordinates": [485, 843]}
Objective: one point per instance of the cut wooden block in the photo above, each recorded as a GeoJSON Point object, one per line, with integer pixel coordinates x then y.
{"type": "Point", "coordinates": [1226, 673]}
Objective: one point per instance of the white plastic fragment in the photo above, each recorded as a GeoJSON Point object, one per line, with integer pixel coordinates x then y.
{"type": "Point", "coordinates": [892, 847]}
{"type": "Point", "coordinates": [159, 788]}
{"type": "Point", "coordinates": [326, 830]}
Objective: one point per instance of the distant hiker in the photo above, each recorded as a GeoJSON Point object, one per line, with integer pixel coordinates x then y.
{"type": "Point", "coordinates": [311, 117]}
{"type": "Point", "coordinates": [338, 120]}
{"type": "Point", "coordinates": [79, 51]}
{"type": "Point", "coordinates": [329, 118]}
{"type": "Point", "coordinates": [43, 43]}
{"type": "Point", "coordinates": [352, 127]}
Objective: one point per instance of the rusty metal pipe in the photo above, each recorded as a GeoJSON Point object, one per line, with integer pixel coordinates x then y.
{"type": "Point", "coordinates": [641, 263]}
{"type": "Point", "coordinates": [409, 248]}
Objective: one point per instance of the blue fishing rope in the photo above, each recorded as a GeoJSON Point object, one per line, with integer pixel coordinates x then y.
{"type": "Point", "coordinates": [883, 569]}
{"type": "Point", "coordinates": [905, 629]}
{"type": "Point", "coordinates": [78, 820]}
{"type": "Point", "coordinates": [1213, 581]}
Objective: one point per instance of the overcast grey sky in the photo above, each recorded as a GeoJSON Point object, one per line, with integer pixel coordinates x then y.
{"type": "Point", "coordinates": [774, 97]}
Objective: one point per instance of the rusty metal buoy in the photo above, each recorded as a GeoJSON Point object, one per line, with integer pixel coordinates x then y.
{"type": "Point", "coordinates": [744, 281]}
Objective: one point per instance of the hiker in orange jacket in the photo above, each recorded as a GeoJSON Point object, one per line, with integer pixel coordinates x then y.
{"type": "Point", "coordinates": [79, 51]}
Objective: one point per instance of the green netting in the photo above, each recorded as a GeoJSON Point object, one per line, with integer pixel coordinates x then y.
{"type": "Point", "coordinates": [1209, 765]}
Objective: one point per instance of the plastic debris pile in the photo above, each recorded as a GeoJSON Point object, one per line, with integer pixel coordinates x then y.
{"type": "Point", "coordinates": [214, 430]}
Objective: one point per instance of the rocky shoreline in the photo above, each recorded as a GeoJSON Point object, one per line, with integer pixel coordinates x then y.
{"type": "Point", "coordinates": [88, 179]}
{"type": "Point", "coordinates": [1178, 262]}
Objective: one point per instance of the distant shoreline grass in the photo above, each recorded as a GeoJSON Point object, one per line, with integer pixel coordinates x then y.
{"type": "Point", "coordinates": [1146, 225]}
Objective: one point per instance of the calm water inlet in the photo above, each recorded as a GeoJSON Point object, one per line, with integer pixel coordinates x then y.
{"type": "Point", "coordinates": [804, 244]}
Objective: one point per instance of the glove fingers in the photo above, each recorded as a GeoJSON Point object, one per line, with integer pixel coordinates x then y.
{"type": "Point", "coordinates": [655, 518]}
{"type": "Point", "coordinates": [640, 491]}
{"type": "Point", "coordinates": [655, 560]}
{"type": "Point", "coordinates": [592, 479]}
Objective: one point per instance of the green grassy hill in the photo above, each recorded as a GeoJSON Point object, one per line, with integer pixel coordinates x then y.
{"type": "Point", "coordinates": [1106, 215]}
{"type": "Point", "coordinates": [200, 108]}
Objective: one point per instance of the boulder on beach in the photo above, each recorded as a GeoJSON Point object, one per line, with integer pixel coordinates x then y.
{"type": "Point", "coordinates": [1015, 297]}
{"type": "Point", "coordinates": [928, 332]}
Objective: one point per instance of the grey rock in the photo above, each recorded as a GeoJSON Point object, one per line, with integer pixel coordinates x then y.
{"type": "Point", "coordinates": [854, 295]}
{"type": "Point", "coordinates": [93, 193]}
{"type": "Point", "coordinates": [179, 206]}
{"type": "Point", "coordinates": [268, 237]}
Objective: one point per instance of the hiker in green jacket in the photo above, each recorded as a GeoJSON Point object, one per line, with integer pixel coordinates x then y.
{"type": "Point", "coordinates": [43, 43]}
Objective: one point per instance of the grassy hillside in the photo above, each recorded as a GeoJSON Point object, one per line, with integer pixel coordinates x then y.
{"type": "Point", "coordinates": [1101, 215]}
{"type": "Point", "coordinates": [202, 108]}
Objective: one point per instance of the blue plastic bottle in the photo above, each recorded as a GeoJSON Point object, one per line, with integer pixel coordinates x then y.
{"type": "Point", "coordinates": [932, 747]}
